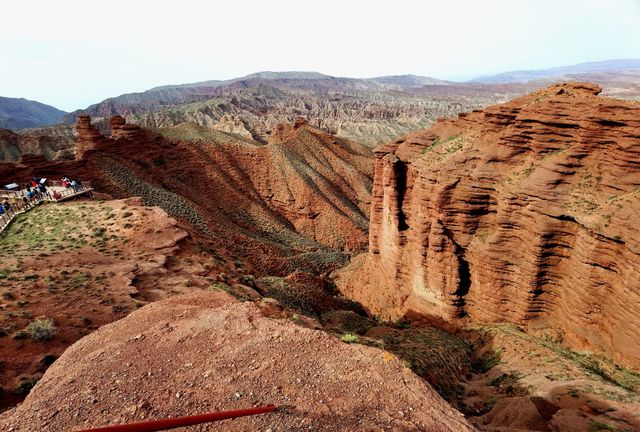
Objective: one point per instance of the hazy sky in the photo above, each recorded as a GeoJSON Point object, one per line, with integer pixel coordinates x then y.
{"type": "Point", "coordinates": [71, 53]}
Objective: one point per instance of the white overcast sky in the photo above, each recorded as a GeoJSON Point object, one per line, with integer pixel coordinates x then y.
{"type": "Point", "coordinates": [71, 53]}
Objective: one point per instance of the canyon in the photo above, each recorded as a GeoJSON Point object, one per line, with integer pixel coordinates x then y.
{"type": "Point", "coordinates": [493, 254]}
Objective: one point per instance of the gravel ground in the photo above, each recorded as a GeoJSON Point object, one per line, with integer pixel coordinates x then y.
{"type": "Point", "coordinates": [207, 352]}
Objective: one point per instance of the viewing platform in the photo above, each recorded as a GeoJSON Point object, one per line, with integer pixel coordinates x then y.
{"type": "Point", "coordinates": [55, 192]}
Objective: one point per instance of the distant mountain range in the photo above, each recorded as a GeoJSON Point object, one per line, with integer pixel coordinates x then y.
{"type": "Point", "coordinates": [522, 76]}
{"type": "Point", "coordinates": [267, 84]}
{"type": "Point", "coordinates": [371, 111]}
{"type": "Point", "coordinates": [18, 113]}
{"type": "Point", "coordinates": [401, 81]}
{"type": "Point", "coordinates": [368, 110]}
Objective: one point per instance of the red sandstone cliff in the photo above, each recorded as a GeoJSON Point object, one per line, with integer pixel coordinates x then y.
{"type": "Point", "coordinates": [525, 212]}
{"type": "Point", "coordinates": [287, 205]}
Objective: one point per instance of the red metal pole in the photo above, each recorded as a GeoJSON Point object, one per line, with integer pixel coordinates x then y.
{"type": "Point", "coordinates": [171, 423]}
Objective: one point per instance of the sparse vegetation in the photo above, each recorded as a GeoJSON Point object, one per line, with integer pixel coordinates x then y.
{"type": "Point", "coordinates": [527, 171]}
{"type": "Point", "coordinates": [230, 290]}
{"type": "Point", "coordinates": [439, 357]}
{"type": "Point", "coordinates": [26, 384]}
{"type": "Point", "coordinates": [439, 142]}
{"type": "Point", "coordinates": [558, 376]}
{"type": "Point", "coordinates": [21, 334]}
{"type": "Point", "coordinates": [597, 426]}
{"type": "Point", "coordinates": [488, 361]}
{"type": "Point", "coordinates": [508, 384]}
{"type": "Point", "coordinates": [482, 236]}
{"type": "Point", "coordinates": [596, 366]}
{"type": "Point", "coordinates": [346, 321]}
{"type": "Point", "coordinates": [41, 330]}
{"type": "Point", "coordinates": [349, 338]}
{"type": "Point", "coordinates": [306, 299]}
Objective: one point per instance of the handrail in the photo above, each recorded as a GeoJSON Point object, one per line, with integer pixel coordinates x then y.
{"type": "Point", "coordinates": [19, 193]}
{"type": "Point", "coordinates": [176, 422]}
{"type": "Point", "coordinates": [21, 207]}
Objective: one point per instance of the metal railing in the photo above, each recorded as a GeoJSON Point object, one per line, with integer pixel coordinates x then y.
{"type": "Point", "coordinates": [19, 193]}
{"type": "Point", "coordinates": [17, 208]}
{"type": "Point", "coordinates": [69, 192]}
{"type": "Point", "coordinates": [51, 194]}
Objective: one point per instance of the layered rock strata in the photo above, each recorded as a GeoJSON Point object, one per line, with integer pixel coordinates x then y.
{"type": "Point", "coordinates": [524, 212]}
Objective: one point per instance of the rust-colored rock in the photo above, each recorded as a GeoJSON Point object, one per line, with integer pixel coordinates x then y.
{"type": "Point", "coordinates": [116, 122]}
{"type": "Point", "coordinates": [525, 212]}
{"type": "Point", "coordinates": [36, 142]}
{"type": "Point", "coordinates": [89, 137]}
{"type": "Point", "coordinates": [206, 352]}
{"type": "Point", "coordinates": [120, 129]}
{"type": "Point", "coordinates": [284, 206]}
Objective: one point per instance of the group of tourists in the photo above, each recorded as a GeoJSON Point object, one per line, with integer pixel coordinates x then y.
{"type": "Point", "coordinates": [76, 185]}
{"type": "Point", "coordinates": [5, 207]}
{"type": "Point", "coordinates": [26, 195]}
{"type": "Point", "coordinates": [36, 190]}
{"type": "Point", "coordinates": [7, 210]}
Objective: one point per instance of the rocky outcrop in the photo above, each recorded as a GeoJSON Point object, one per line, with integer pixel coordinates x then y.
{"type": "Point", "coordinates": [296, 203]}
{"type": "Point", "coordinates": [206, 352]}
{"type": "Point", "coordinates": [524, 212]}
{"type": "Point", "coordinates": [121, 130]}
{"type": "Point", "coordinates": [89, 137]}
{"type": "Point", "coordinates": [233, 125]}
{"type": "Point", "coordinates": [14, 146]}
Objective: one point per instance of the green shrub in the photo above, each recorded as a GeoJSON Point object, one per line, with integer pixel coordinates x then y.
{"type": "Point", "coordinates": [41, 330]}
{"type": "Point", "coordinates": [349, 338]}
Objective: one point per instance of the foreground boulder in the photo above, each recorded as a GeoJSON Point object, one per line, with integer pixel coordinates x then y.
{"type": "Point", "coordinates": [525, 212]}
{"type": "Point", "coordinates": [206, 352]}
